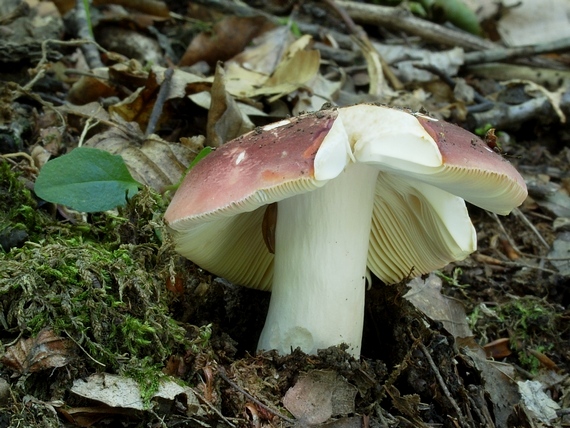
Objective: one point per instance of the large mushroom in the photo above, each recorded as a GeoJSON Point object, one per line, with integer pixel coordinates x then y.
{"type": "Point", "coordinates": [357, 187]}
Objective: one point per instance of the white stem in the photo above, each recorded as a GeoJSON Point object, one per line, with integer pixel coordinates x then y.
{"type": "Point", "coordinates": [321, 246]}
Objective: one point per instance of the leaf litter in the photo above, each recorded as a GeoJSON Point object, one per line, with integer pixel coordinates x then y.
{"type": "Point", "coordinates": [101, 302]}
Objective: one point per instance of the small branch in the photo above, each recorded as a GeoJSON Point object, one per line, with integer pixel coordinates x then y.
{"type": "Point", "coordinates": [159, 103]}
{"type": "Point", "coordinates": [501, 54]}
{"type": "Point", "coordinates": [447, 79]}
{"type": "Point", "coordinates": [482, 258]}
{"type": "Point", "coordinates": [212, 407]}
{"type": "Point", "coordinates": [504, 116]}
{"type": "Point", "coordinates": [83, 349]}
{"type": "Point", "coordinates": [40, 69]}
{"type": "Point", "coordinates": [440, 380]}
{"type": "Point", "coordinates": [401, 19]}
{"type": "Point", "coordinates": [21, 154]}
{"type": "Point", "coordinates": [518, 213]}
{"type": "Point", "coordinates": [83, 31]}
{"type": "Point", "coordinates": [222, 373]}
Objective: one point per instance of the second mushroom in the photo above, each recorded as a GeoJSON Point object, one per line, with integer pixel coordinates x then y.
{"type": "Point", "coordinates": [356, 188]}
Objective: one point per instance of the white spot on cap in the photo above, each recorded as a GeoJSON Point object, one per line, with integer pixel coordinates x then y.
{"type": "Point", "coordinates": [240, 158]}
{"type": "Point", "coordinates": [272, 126]}
{"type": "Point", "coordinates": [425, 116]}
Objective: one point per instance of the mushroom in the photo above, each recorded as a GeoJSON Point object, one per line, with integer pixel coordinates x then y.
{"type": "Point", "coordinates": [357, 188]}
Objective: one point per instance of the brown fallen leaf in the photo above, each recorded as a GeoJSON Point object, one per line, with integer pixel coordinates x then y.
{"type": "Point", "coordinates": [498, 348]}
{"type": "Point", "coordinates": [43, 352]}
{"type": "Point", "coordinates": [89, 416]}
{"type": "Point", "coordinates": [544, 360]}
{"type": "Point", "coordinates": [150, 7]}
{"type": "Point", "coordinates": [227, 38]}
{"type": "Point", "coordinates": [319, 395]}
{"type": "Point", "coordinates": [225, 119]}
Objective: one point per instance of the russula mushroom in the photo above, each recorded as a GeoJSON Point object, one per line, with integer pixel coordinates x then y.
{"type": "Point", "coordinates": [357, 187]}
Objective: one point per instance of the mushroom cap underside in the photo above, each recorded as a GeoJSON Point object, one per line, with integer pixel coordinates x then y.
{"type": "Point", "coordinates": [216, 216]}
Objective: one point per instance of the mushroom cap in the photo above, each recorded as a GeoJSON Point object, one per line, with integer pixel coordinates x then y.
{"type": "Point", "coordinates": [420, 222]}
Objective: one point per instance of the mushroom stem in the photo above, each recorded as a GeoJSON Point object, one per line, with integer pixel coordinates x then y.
{"type": "Point", "coordinates": [318, 289]}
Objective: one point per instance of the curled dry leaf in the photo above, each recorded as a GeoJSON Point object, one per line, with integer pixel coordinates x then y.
{"type": "Point", "coordinates": [297, 67]}
{"type": "Point", "coordinates": [43, 352]}
{"type": "Point", "coordinates": [226, 120]}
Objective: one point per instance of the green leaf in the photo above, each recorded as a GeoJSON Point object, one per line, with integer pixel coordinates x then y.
{"type": "Point", "coordinates": [87, 180]}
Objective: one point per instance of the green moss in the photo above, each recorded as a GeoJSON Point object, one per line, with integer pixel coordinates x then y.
{"type": "Point", "coordinates": [148, 375]}
{"type": "Point", "coordinates": [529, 322]}
{"type": "Point", "coordinates": [18, 209]}
{"type": "Point", "coordinates": [102, 298]}
{"type": "Point", "coordinates": [102, 283]}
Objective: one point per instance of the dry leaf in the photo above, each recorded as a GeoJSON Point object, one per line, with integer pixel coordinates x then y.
{"type": "Point", "coordinates": [89, 416]}
{"type": "Point", "coordinates": [91, 88]}
{"type": "Point", "coordinates": [228, 38]}
{"type": "Point", "coordinates": [226, 120]}
{"type": "Point", "coordinates": [536, 400]}
{"type": "Point", "coordinates": [265, 52]}
{"type": "Point", "coordinates": [297, 67]}
{"type": "Point", "coordinates": [426, 296]}
{"type": "Point", "coordinates": [530, 22]}
{"type": "Point", "coordinates": [43, 352]}
{"type": "Point", "coordinates": [498, 348]}
{"type": "Point", "coordinates": [150, 7]}
{"type": "Point", "coordinates": [319, 395]}
{"type": "Point", "coordinates": [123, 392]}
{"type": "Point", "coordinates": [154, 162]}
{"type": "Point", "coordinates": [498, 383]}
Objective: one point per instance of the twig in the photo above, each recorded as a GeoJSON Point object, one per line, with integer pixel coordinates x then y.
{"type": "Point", "coordinates": [479, 405]}
{"type": "Point", "coordinates": [401, 19]}
{"type": "Point", "coordinates": [83, 349]}
{"type": "Point", "coordinates": [500, 54]}
{"type": "Point", "coordinates": [89, 123]}
{"type": "Point", "coordinates": [21, 154]}
{"type": "Point", "coordinates": [505, 233]}
{"type": "Point", "coordinates": [368, 50]}
{"type": "Point", "coordinates": [518, 213]}
{"type": "Point", "coordinates": [160, 100]}
{"type": "Point", "coordinates": [211, 406]}
{"type": "Point", "coordinates": [83, 31]}
{"type": "Point", "coordinates": [222, 373]}
{"type": "Point", "coordinates": [439, 378]}
{"type": "Point", "coordinates": [504, 116]}
{"type": "Point", "coordinates": [482, 258]}
{"type": "Point", "coordinates": [40, 69]}
{"type": "Point", "coordinates": [27, 91]}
